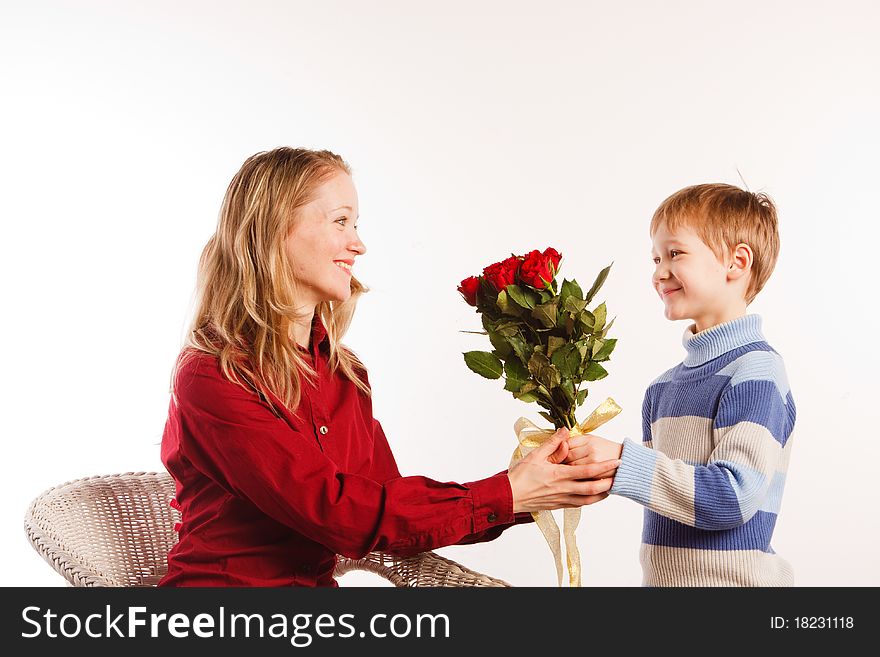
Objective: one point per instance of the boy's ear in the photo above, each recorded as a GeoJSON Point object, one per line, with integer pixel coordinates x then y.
{"type": "Point", "coordinates": [740, 262]}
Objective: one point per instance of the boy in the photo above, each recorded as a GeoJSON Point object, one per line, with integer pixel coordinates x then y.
{"type": "Point", "coordinates": [711, 466]}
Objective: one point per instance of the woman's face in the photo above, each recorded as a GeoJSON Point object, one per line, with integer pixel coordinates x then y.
{"type": "Point", "coordinates": [323, 243]}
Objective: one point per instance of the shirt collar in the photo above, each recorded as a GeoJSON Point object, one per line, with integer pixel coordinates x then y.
{"type": "Point", "coordinates": [718, 340]}
{"type": "Point", "coordinates": [319, 332]}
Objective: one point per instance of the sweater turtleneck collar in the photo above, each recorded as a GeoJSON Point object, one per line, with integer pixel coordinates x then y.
{"type": "Point", "coordinates": [718, 340]}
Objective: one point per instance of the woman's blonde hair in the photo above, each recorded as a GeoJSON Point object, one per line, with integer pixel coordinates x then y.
{"type": "Point", "coordinates": [246, 296]}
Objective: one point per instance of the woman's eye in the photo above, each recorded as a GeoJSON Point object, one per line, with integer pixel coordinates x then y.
{"type": "Point", "coordinates": [341, 221]}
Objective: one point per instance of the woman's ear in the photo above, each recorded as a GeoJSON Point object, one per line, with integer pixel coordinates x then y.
{"type": "Point", "coordinates": [741, 262]}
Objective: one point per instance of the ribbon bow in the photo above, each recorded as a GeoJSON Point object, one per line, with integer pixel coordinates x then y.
{"type": "Point", "coordinates": [531, 436]}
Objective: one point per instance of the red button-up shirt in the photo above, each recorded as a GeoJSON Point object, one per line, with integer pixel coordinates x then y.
{"type": "Point", "coordinates": [271, 501]}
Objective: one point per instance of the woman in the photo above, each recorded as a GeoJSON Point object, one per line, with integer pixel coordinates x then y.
{"type": "Point", "coordinates": [270, 437]}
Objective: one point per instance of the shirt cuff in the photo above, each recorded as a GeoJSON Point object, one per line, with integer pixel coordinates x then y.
{"type": "Point", "coordinates": [636, 472]}
{"type": "Point", "coordinates": [493, 502]}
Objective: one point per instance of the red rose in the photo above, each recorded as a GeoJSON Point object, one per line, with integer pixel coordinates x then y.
{"type": "Point", "coordinates": [555, 256]}
{"type": "Point", "coordinates": [468, 289]}
{"type": "Point", "coordinates": [501, 274]}
{"type": "Point", "coordinates": [535, 270]}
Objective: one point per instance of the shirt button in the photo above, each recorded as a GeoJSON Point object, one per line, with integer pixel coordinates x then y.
{"type": "Point", "coordinates": [492, 517]}
{"type": "Point", "coordinates": [323, 430]}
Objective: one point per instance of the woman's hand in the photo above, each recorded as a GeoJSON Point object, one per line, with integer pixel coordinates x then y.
{"type": "Point", "coordinates": [540, 483]}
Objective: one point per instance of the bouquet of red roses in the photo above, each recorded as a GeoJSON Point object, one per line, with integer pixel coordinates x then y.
{"type": "Point", "coordinates": [546, 345]}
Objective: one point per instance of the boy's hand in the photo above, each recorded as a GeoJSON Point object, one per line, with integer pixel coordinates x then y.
{"type": "Point", "coordinates": [591, 448]}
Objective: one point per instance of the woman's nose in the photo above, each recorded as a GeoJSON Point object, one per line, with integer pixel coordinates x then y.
{"type": "Point", "coordinates": [357, 245]}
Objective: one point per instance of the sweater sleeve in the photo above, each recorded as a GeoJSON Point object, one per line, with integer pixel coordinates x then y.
{"type": "Point", "coordinates": [234, 438]}
{"type": "Point", "coordinates": [749, 432]}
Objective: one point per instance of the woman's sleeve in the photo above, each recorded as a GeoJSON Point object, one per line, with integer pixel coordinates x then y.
{"type": "Point", "coordinates": [233, 437]}
{"type": "Point", "coordinates": [385, 468]}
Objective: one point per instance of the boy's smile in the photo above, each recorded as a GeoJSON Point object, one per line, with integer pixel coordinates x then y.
{"type": "Point", "coordinates": [691, 281]}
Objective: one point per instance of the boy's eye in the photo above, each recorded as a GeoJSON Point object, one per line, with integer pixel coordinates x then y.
{"type": "Point", "coordinates": [674, 253]}
{"type": "Point", "coordinates": [656, 260]}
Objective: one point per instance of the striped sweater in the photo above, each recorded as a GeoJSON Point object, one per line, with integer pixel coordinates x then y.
{"type": "Point", "coordinates": [711, 467]}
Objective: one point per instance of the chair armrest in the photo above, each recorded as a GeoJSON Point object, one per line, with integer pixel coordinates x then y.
{"type": "Point", "coordinates": [423, 569]}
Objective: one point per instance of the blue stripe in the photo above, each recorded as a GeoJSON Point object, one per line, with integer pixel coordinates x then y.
{"type": "Point", "coordinates": [749, 486]}
{"type": "Point", "coordinates": [758, 366]}
{"type": "Point", "coordinates": [716, 505]}
{"type": "Point", "coordinates": [711, 343]}
{"type": "Point", "coordinates": [666, 376]}
{"type": "Point", "coordinates": [772, 501]}
{"type": "Point", "coordinates": [754, 535]}
{"type": "Point", "coordinates": [683, 398]}
{"type": "Point", "coordinates": [758, 402]}
{"type": "Point", "coordinates": [696, 373]}
{"type": "Point", "coordinates": [646, 419]}
{"type": "Point", "coordinates": [634, 476]}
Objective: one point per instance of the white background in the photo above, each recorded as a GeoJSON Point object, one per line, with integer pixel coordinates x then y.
{"type": "Point", "coordinates": [475, 129]}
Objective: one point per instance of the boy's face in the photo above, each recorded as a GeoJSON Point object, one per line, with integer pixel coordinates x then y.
{"type": "Point", "coordinates": [691, 281]}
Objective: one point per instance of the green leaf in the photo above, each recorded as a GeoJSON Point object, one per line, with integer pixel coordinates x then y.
{"type": "Point", "coordinates": [513, 385]}
{"type": "Point", "coordinates": [546, 314]}
{"type": "Point", "coordinates": [567, 388]}
{"type": "Point", "coordinates": [502, 346]}
{"type": "Point", "coordinates": [551, 377]}
{"type": "Point", "coordinates": [528, 392]}
{"type": "Point", "coordinates": [517, 375]}
{"type": "Point", "coordinates": [600, 315]}
{"type": "Point", "coordinates": [520, 348]}
{"type": "Point", "coordinates": [600, 279]}
{"type": "Point", "coordinates": [543, 371]}
{"type": "Point", "coordinates": [521, 297]}
{"type": "Point", "coordinates": [587, 321]}
{"type": "Point", "coordinates": [595, 372]}
{"type": "Point", "coordinates": [547, 417]}
{"type": "Point", "coordinates": [507, 306]}
{"type": "Point", "coordinates": [608, 327]}
{"type": "Point", "coordinates": [567, 360]}
{"type": "Point", "coordinates": [570, 289]}
{"type": "Point", "coordinates": [581, 396]}
{"type": "Point", "coordinates": [553, 343]}
{"type": "Point", "coordinates": [574, 305]}
{"type": "Point", "coordinates": [484, 364]}
{"type": "Point", "coordinates": [606, 350]}
{"type": "Point", "coordinates": [598, 343]}
{"type": "Point", "coordinates": [508, 328]}
{"type": "Point", "coordinates": [537, 363]}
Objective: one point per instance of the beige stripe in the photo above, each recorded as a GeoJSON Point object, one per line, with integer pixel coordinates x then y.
{"type": "Point", "coordinates": [688, 438]}
{"type": "Point", "coordinates": [672, 490]}
{"type": "Point", "coordinates": [669, 566]}
{"type": "Point", "coordinates": [786, 455]}
{"type": "Point", "coordinates": [748, 444]}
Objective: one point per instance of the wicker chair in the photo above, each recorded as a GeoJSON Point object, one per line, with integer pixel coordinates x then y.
{"type": "Point", "coordinates": [116, 530]}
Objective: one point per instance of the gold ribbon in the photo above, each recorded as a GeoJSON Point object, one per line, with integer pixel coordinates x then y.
{"type": "Point", "coordinates": [530, 437]}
